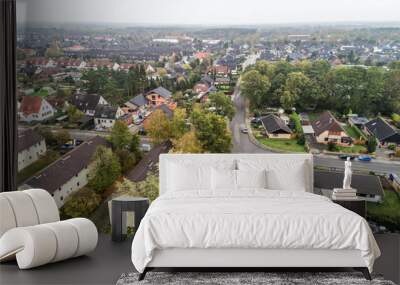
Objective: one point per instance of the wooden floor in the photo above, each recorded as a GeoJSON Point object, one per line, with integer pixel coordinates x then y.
{"type": "Point", "coordinates": [110, 260]}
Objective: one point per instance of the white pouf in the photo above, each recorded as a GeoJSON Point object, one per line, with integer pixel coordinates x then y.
{"type": "Point", "coordinates": [31, 230]}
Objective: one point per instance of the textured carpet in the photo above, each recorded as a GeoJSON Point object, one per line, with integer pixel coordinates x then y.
{"type": "Point", "coordinates": [236, 278]}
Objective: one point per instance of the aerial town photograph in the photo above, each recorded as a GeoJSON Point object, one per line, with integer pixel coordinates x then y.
{"type": "Point", "coordinates": [113, 97]}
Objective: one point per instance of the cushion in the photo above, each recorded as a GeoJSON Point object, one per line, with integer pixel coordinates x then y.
{"type": "Point", "coordinates": [184, 177]}
{"type": "Point", "coordinates": [282, 174]}
{"type": "Point", "coordinates": [251, 178]}
{"type": "Point", "coordinates": [223, 179]}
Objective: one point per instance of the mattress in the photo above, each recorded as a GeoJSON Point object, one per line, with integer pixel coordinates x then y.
{"type": "Point", "coordinates": [250, 219]}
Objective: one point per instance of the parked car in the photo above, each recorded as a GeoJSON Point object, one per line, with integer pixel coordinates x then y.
{"type": "Point", "coordinates": [365, 158]}
{"type": "Point", "coordinates": [145, 147]}
{"type": "Point", "coordinates": [255, 120]}
{"type": "Point", "coordinates": [345, 156]}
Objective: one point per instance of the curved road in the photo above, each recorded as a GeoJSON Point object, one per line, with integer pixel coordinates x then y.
{"type": "Point", "coordinates": [242, 144]}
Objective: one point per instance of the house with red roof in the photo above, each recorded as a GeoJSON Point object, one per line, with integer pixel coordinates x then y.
{"type": "Point", "coordinates": [35, 108]}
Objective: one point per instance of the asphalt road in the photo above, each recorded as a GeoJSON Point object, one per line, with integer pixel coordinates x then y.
{"type": "Point", "coordinates": [242, 144]}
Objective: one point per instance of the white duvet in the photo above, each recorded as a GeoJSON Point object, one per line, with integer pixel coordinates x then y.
{"type": "Point", "coordinates": [250, 219]}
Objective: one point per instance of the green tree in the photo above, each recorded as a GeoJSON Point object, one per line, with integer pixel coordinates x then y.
{"type": "Point", "coordinates": [222, 104]}
{"type": "Point", "coordinates": [178, 123]}
{"type": "Point", "coordinates": [254, 87]}
{"type": "Point", "coordinates": [158, 127]}
{"type": "Point", "coordinates": [371, 144]}
{"type": "Point", "coordinates": [147, 188]}
{"type": "Point", "coordinates": [62, 137]}
{"type": "Point", "coordinates": [212, 131]}
{"type": "Point", "coordinates": [188, 143]}
{"type": "Point", "coordinates": [106, 169]}
{"type": "Point", "coordinates": [81, 204]}
{"type": "Point", "coordinates": [120, 137]}
{"type": "Point", "coordinates": [74, 114]}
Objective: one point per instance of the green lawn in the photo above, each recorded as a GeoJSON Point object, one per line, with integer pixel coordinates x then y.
{"type": "Point", "coordinates": [38, 165]}
{"type": "Point", "coordinates": [352, 149]}
{"type": "Point", "coordinates": [354, 132]}
{"type": "Point", "coordinates": [386, 213]}
{"type": "Point", "coordinates": [41, 93]}
{"type": "Point", "coordinates": [287, 145]}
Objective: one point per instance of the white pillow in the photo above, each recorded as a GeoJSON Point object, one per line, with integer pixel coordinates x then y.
{"type": "Point", "coordinates": [251, 178]}
{"type": "Point", "coordinates": [224, 179]}
{"type": "Point", "coordinates": [282, 174]}
{"type": "Point", "coordinates": [183, 177]}
{"type": "Point", "coordinates": [293, 179]}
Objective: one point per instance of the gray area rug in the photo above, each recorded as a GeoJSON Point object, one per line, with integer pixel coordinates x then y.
{"type": "Point", "coordinates": [243, 278]}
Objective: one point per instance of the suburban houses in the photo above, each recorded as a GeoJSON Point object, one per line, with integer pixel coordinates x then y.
{"type": "Point", "coordinates": [31, 146]}
{"type": "Point", "coordinates": [105, 116]}
{"type": "Point", "coordinates": [87, 103]}
{"type": "Point", "coordinates": [275, 127]}
{"type": "Point", "coordinates": [158, 96]}
{"type": "Point", "coordinates": [383, 131]}
{"type": "Point", "coordinates": [69, 173]}
{"type": "Point", "coordinates": [328, 129]}
{"type": "Point", "coordinates": [35, 108]}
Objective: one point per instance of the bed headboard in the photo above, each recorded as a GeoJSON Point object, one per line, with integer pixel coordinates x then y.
{"type": "Point", "coordinates": [213, 159]}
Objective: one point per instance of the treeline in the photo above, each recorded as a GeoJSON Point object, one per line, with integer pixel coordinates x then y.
{"type": "Point", "coordinates": [119, 86]}
{"type": "Point", "coordinates": [316, 85]}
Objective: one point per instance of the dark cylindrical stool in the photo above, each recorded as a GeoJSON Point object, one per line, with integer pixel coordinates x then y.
{"type": "Point", "coordinates": [119, 207]}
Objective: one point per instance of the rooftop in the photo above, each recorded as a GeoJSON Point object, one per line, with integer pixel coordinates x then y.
{"type": "Point", "coordinates": [62, 170]}
{"type": "Point", "coordinates": [273, 124]}
{"type": "Point", "coordinates": [27, 138]}
{"type": "Point", "coordinates": [326, 122]}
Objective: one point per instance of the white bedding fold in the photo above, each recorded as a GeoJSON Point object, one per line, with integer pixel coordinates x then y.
{"type": "Point", "coordinates": [250, 219]}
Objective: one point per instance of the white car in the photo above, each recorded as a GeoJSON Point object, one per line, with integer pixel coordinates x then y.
{"type": "Point", "coordinates": [145, 147]}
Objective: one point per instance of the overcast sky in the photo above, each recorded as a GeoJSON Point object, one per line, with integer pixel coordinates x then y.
{"type": "Point", "coordinates": [208, 12]}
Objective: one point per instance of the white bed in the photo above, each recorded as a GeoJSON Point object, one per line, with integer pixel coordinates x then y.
{"type": "Point", "coordinates": [218, 224]}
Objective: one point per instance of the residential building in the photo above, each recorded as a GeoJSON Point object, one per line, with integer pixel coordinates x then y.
{"type": "Point", "coordinates": [328, 129]}
{"type": "Point", "coordinates": [35, 108]}
{"type": "Point", "coordinates": [31, 146]}
{"type": "Point", "coordinates": [275, 127]}
{"type": "Point", "coordinates": [69, 173]}
{"type": "Point", "coordinates": [359, 122]}
{"type": "Point", "coordinates": [383, 131]}
{"type": "Point", "coordinates": [158, 96]}
{"type": "Point", "coordinates": [219, 71]}
{"type": "Point", "coordinates": [368, 187]}
{"type": "Point", "coordinates": [87, 103]}
{"type": "Point", "coordinates": [105, 116]}
{"type": "Point", "coordinates": [136, 103]}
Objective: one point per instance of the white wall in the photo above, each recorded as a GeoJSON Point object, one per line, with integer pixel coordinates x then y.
{"type": "Point", "coordinates": [74, 184]}
{"type": "Point", "coordinates": [31, 154]}
{"type": "Point", "coordinates": [46, 112]}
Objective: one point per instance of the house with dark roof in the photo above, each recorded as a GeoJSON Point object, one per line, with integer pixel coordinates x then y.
{"type": "Point", "coordinates": [34, 108]}
{"type": "Point", "coordinates": [137, 102]}
{"type": "Point", "coordinates": [105, 116]}
{"type": "Point", "coordinates": [158, 96]}
{"type": "Point", "coordinates": [31, 145]}
{"type": "Point", "coordinates": [368, 187]}
{"type": "Point", "coordinates": [69, 173]}
{"type": "Point", "coordinates": [137, 106]}
{"type": "Point", "coordinates": [275, 127]}
{"type": "Point", "coordinates": [328, 129]}
{"type": "Point", "coordinates": [383, 131]}
{"type": "Point", "coordinates": [357, 121]}
{"type": "Point", "coordinates": [87, 103]}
